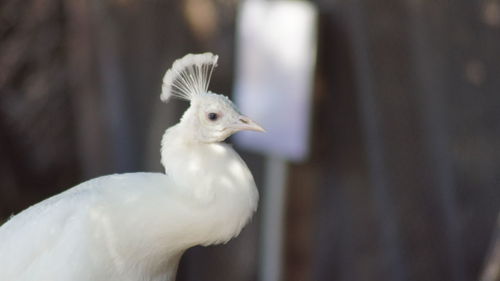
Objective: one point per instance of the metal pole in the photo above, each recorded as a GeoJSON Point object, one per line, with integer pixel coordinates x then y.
{"type": "Point", "coordinates": [273, 215]}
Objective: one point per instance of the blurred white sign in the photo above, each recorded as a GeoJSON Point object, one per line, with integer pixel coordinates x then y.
{"type": "Point", "coordinates": [276, 52]}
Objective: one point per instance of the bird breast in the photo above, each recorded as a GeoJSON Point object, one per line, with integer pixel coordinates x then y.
{"type": "Point", "coordinates": [217, 182]}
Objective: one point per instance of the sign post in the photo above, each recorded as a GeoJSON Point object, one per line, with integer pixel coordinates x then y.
{"type": "Point", "coordinates": [276, 52]}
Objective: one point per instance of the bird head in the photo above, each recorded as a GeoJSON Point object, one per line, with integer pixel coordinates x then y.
{"type": "Point", "coordinates": [211, 117]}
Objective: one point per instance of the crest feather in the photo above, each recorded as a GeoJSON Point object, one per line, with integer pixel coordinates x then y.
{"type": "Point", "coordinates": [188, 76]}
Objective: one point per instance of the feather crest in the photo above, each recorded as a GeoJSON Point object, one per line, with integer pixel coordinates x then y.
{"type": "Point", "coordinates": [188, 76]}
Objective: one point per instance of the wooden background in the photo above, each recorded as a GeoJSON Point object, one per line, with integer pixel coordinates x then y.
{"type": "Point", "coordinates": [404, 179]}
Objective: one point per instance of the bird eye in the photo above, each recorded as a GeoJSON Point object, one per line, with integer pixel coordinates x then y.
{"type": "Point", "coordinates": [213, 116]}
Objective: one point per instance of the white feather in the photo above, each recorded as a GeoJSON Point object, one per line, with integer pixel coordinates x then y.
{"type": "Point", "coordinates": [120, 227]}
{"type": "Point", "coordinates": [136, 226]}
{"type": "Point", "coordinates": [189, 76]}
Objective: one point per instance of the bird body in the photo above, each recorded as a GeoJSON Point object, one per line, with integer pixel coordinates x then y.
{"type": "Point", "coordinates": [136, 226]}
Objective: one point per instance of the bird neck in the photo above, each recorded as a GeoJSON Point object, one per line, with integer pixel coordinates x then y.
{"type": "Point", "coordinates": [215, 179]}
{"type": "Point", "coordinates": [179, 146]}
{"type": "Point", "coordinates": [190, 162]}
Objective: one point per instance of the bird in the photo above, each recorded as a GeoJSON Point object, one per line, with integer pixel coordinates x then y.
{"type": "Point", "coordinates": [136, 226]}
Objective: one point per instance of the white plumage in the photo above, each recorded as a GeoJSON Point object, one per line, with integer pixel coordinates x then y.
{"type": "Point", "coordinates": [188, 76]}
{"type": "Point", "coordinates": [136, 226]}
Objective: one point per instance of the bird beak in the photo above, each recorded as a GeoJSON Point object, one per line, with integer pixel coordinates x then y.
{"type": "Point", "coordinates": [246, 124]}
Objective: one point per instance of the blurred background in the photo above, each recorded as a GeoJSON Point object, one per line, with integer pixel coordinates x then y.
{"type": "Point", "coordinates": [403, 178]}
